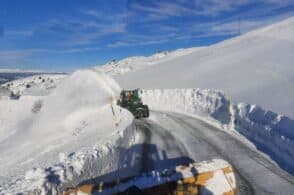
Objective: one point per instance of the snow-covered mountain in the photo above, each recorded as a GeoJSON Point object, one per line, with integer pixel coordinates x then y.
{"type": "Point", "coordinates": [40, 84]}
{"type": "Point", "coordinates": [256, 68]}
{"type": "Point", "coordinates": [67, 129]}
{"type": "Point", "coordinates": [7, 75]}
{"type": "Point", "coordinates": [139, 62]}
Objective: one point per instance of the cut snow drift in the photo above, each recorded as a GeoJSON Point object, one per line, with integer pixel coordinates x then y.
{"type": "Point", "coordinates": [193, 101]}
{"type": "Point", "coordinates": [270, 132]}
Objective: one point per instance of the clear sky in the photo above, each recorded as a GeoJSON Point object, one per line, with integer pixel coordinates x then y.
{"type": "Point", "coordinates": [64, 35]}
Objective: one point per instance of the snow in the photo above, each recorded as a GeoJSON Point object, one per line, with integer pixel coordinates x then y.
{"type": "Point", "coordinates": [15, 115]}
{"type": "Point", "coordinates": [271, 133]}
{"type": "Point", "coordinates": [205, 141]}
{"type": "Point", "coordinates": [4, 92]}
{"type": "Point", "coordinates": [62, 131]}
{"type": "Point", "coordinates": [72, 129]}
{"type": "Point", "coordinates": [256, 68]}
{"type": "Point", "coordinates": [7, 70]}
{"type": "Point", "coordinates": [37, 85]}
{"type": "Point", "coordinates": [140, 62]}
{"type": "Point", "coordinates": [51, 141]}
{"type": "Point", "coordinates": [193, 101]}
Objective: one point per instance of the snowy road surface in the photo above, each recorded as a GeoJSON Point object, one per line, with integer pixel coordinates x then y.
{"type": "Point", "coordinates": [160, 148]}
{"type": "Point", "coordinates": [173, 139]}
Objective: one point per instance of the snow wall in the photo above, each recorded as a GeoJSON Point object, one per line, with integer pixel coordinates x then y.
{"type": "Point", "coordinates": [269, 132]}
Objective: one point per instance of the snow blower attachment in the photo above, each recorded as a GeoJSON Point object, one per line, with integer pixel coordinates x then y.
{"type": "Point", "coordinates": [212, 177]}
{"type": "Point", "coordinates": [130, 100]}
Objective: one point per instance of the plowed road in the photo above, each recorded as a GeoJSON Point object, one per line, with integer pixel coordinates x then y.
{"type": "Point", "coordinates": [173, 139]}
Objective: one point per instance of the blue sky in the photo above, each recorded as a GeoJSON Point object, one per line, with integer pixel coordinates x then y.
{"type": "Point", "coordinates": [64, 35]}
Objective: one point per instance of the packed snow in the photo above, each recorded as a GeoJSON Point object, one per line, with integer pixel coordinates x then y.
{"type": "Point", "coordinates": [50, 140]}
{"type": "Point", "coordinates": [256, 68]}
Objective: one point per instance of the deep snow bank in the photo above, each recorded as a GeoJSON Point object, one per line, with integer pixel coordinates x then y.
{"type": "Point", "coordinates": [71, 137]}
{"type": "Point", "coordinates": [193, 101]}
{"type": "Point", "coordinates": [270, 132]}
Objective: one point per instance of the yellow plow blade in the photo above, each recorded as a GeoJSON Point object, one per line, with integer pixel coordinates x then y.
{"type": "Point", "coordinates": [216, 177]}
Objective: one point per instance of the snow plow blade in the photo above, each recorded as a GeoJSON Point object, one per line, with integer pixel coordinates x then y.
{"type": "Point", "coordinates": [213, 177]}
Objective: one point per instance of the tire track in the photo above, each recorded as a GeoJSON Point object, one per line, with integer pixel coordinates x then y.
{"type": "Point", "coordinates": [227, 146]}
{"type": "Point", "coordinates": [160, 148]}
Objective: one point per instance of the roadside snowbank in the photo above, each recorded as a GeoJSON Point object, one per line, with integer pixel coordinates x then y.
{"type": "Point", "coordinates": [69, 137]}
{"type": "Point", "coordinates": [269, 132]}
{"type": "Point", "coordinates": [193, 101]}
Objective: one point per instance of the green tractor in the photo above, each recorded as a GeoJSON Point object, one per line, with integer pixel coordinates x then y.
{"type": "Point", "coordinates": [130, 100]}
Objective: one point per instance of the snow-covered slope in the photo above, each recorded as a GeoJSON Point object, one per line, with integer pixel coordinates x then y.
{"type": "Point", "coordinates": [138, 62]}
{"type": "Point", "coordinates": [7, 75]}
{"type": "Point", "coordinates": [47, 141]}
{"type": "Point", "coordinates": [36, 85]}
{"type": "Point", "coordinates": [256, 68]}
